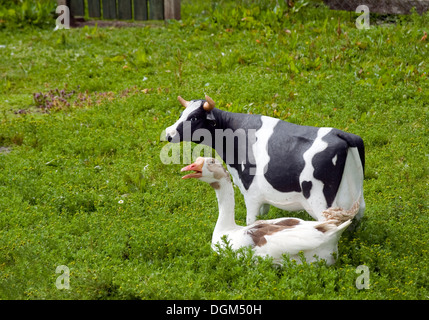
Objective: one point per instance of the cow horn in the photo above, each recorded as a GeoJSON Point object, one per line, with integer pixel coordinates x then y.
{"type": "Point", "coordinates": [209, 104]}
{"type": "Point", "coordinates": [183, 102]}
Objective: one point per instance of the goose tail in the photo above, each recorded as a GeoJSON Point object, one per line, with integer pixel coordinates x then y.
{"type": "Point", "coordinates": [339, 215]}
{"type": "Point", "coordinates": [337, 219]}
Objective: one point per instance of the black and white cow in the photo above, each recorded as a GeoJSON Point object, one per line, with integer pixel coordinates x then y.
{"type": "Point", "coordinates": [277, 163]}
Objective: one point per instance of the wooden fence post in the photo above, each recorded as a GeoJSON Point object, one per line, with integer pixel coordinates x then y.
{"type": "Point", "coordinates": [140, 9]}
{"type": "Point", "coordinates": [124, 10]}
{"type": "Point", "coordinates": [156, 9]}
{"type": "Point", "coordinates": [94, 8]}
{"type": "Point", "coordinates": [172, 9]}
{"type": "Point", "coordinates": [109, 9]}
{"type": "Point", "coordinates": [77, 8]}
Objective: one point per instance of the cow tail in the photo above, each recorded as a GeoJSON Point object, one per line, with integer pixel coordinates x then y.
{"type": "Point", "coordinates": [354, 141]}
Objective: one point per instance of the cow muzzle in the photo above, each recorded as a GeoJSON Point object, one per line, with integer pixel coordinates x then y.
{"type": "Point", "coordinates": [170, 135]}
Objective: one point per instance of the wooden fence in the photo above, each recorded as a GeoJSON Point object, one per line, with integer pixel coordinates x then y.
{"type": "Point", "coordinates": [125, 9]}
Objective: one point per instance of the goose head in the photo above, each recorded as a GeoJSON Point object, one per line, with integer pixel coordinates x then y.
{"type": "Point", "coordinates": [207, 169]}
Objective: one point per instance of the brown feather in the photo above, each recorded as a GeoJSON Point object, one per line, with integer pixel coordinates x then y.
{"type": "Point", "coordinates": [259, 231]}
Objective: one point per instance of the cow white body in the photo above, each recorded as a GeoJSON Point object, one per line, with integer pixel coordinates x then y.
{"type": "Point", "coordinates": [262, 192]}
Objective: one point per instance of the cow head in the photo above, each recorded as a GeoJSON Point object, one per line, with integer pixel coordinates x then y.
{"type": "Point", "coordinates": [197, 115]}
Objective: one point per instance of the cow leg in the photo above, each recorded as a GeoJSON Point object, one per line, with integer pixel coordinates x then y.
{"type": "Point", "coordinates": [264, 209]}
{"type": "Point", "coordinates": [358, 216]}
{"type": "Point", "coordinates": [253, 208]}
{"type": "Point", "coordinates": [351, 186]}
{"type": "Point", "coordinates": [362, 205]}
{"type": "Point", "coordinates": [315, 209]}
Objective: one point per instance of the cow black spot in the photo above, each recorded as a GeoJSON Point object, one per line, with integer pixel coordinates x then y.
{"type": "Point", "coordinates": [306, 187]}
{"type": "Point", "coordinates": [238, 125]}
{"type": "Point", "coordinates": [286, 147]}
{"type": "Point", "coordinates": [197, 119]}
{"type": "Point", "coordinates": [325, 170]}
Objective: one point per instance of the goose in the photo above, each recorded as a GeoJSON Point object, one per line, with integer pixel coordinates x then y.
{"type": "Point", "coordinates": [270, 237]}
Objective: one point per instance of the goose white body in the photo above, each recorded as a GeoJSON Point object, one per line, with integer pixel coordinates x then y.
{"type": "Point", "coordinates": [317, 240]}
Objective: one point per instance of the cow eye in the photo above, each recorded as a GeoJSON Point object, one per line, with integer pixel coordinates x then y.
{"type": "Point", "coordinates": [194, 119]}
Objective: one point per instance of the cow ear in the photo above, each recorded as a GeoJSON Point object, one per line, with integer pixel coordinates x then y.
{"type": "Point", "coordinates": [210, 116]}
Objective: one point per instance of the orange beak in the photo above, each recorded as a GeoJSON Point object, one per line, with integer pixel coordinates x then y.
{"type": "Point", "coordinates": [197, 166]}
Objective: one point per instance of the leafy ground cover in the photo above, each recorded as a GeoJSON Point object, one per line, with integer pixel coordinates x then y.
{"type": "Point", "coordinates": [81, 180]}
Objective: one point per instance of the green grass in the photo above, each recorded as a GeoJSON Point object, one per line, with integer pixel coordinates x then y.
{"type": "Point", "coordinates": [82, 184]}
